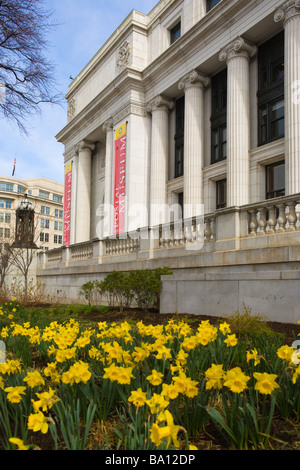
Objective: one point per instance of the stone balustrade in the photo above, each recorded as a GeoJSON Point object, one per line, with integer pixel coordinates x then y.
{"type": "Point", "coordinates": [231, 229]}
{"type": "Point", "coordinates": [82, 251]}
{"type": "Point", "coordinates": [277, 215]}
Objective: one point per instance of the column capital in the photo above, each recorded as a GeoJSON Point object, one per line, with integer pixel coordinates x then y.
{"type": "Point", "coordinates": [85, 144]}
{"type": "Point", "coordinates": [160, 102]}
{"type": "Point", "coordinates": [289, 10]}
{"type": "Point", "coordinates": [193, 79]}
{"type": "Point", "coordinates": [108, 125]}
{"type": "Point", "coordinates": [238, 48]}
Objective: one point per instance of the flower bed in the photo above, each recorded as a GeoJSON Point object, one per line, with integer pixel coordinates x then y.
{"type": "Point", "coordinates": [140, 387]}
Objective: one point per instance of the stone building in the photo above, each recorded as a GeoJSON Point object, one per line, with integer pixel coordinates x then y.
{"type": "Point", "coordinates": [46, 197]}
{"type": "Point", "coordinates": [182, 149]}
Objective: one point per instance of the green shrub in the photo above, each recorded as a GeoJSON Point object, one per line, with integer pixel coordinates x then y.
{"type": "Point", "coordinates": [141, 287]}
{"type": "Point", "coordinates": [245, 323]}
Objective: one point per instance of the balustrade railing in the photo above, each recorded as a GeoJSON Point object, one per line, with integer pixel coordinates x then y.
{"type": "Point", "coordinates": [274, 216]}
{"type": "Point", "coordinates": [119, 246]}
{"type": "Point", "coordinates": [277, 215]}
{"type": "Point", "coordinates": [82, 251]}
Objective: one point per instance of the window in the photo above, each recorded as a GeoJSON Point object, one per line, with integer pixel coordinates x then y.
{"type": "Point", "coordinates": [57, 198]}
{"type": "Point", "coordinates": [44, 194]}
{"type": "Point", "coordinates": [5, 203]}
{"type": "Point", "coordinates": [219, 117]}
{"type": "Point", "coordinates": [7, 218]}
{"type": "Point", "coordinates": [58, 225]}
{"type": "Point", "coordinates": [21, 190]}
{"type": "Point", "coordinates": [45, 223]}
{"type": "Point", "coordinates": [221, 193]}
{"type": "Point", "coordinates": [6, 187]}
{"type": "Point", "coordinates": [275, 180]}
{"type": "Point", "coordinates": [180, 204]}
{"type": "Point", "coordinates": [58, 239]}
{"type": "Point", "coordinates": [7, 233]}
{"type": "Point", "coordinates": [42, 237]}
{"type": "Point", "coordinates": [211, 4]}
{"type": "Point", "coordinates": [270, 95]}
{"type": "Point", "coordinates": [175, 32]}
{"type": "Point", "coordinates": [58, 213]}
{"type": "Point", "coordinates": [179, 137]}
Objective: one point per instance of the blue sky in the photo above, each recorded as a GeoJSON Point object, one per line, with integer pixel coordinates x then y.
{"type": "Point", "coordinates": [82, 29]}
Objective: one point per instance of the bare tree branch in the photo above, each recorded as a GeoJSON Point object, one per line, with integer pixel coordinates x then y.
{"type": "Point", "coordinates": [25, 71]}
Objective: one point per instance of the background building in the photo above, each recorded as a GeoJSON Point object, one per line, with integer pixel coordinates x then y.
{"type": "Point", "coordinates": [47, 199]}
{"type": "Point", "coordinates": [193, 107]}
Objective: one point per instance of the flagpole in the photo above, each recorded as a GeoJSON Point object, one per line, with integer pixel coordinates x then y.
{"type": "Point", "coordinates": [14, 167]}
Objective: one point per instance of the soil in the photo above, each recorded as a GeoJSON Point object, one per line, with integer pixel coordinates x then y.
{"type": "Point", "coordinates": [288, 330]}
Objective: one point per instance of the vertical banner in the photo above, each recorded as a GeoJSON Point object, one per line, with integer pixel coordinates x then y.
{"type": "Point", "coordinates": [119, 180]}
{"type": "Point", "coordinates": [67, 204]}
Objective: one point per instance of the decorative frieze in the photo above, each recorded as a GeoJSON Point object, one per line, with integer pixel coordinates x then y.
{"type": "Point", "coordinates": [123, 55]}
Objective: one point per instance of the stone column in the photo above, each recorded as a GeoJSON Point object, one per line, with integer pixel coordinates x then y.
{"type": "Point", "coordinates": [237, 56]}
{"type": "Point", "coordinates": [289, 14]}
{"type": "Point", "coordinates": [193, 85]}
{"type": "Point", "coordinates": [159, 107]}
{"type": "Point", "coordinates": [83, 198]}
{"type": "Point", "coordinates": [109, 156]}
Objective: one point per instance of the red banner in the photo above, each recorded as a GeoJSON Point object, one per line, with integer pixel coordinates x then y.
{"type": "Point", "coordinates": [67, 204]}
{"type": "Point", "coordinates": [119, 180]}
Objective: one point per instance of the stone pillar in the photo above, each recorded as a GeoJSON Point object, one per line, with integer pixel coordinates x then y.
{"type": "Point", "coordinates": [159, 107]}
{"type": "Point", "coordinates": [193, 85]}
{"type": "Point", "coordinates": [289, 14]}
{"type": "Point", "coordinates": [83, 198]}
{"type": "Point", "coordinates": [109, 156]}
{"type": "Point", "coordinates": [237, 56]}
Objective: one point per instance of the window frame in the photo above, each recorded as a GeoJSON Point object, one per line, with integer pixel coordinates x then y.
{"type": "Point", "coordinates": [218, 117]}
{"type": "Point", "coordinates": [174, 32]}
{"type": "Point", "coordinates": [274, 192]}
{"type": "Point", "coordinates": [270, 91]}
{"type": "Point", "coordinates": [179, 137]}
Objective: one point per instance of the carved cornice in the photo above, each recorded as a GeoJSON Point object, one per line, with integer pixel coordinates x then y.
{"type": "Point", "coordinates": [193, 79]}
{"type": "Point", "coordinates": [160, 102]}
{"type": "Point", "coordinates": [238, 48]}
{"type": "Point", "coordinates": [289, 10]}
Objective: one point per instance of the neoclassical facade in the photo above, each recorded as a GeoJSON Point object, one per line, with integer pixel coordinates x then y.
{"type": "Point", "coordinates": [190, 113]}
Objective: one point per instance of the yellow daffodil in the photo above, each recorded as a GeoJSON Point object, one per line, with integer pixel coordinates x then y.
{"type": "Point", "coordinates": [155, 378]}
{"type": "Point", "coordinates": [231, 340]}
{"type": "Point", "coordinates": [253, 354]}
{"type": "Point", "coordinates": [224, 328]}
{"type": "Point", "coordinates": [14, 394]}
{"type": "Point", "coordinates": [34, 379]}
{"type": "Point", "coordinates": [138, 397]}
{"type": "Point", "coordinates": [236, 380]}
{"type": "Point", "coordinates": [285, 352]}
{"type": "Point", "coordinates": [265, 382]}
{"type": "Point", "coordinates": [38, 422]}
{"type": "Point", "coordinates": [215, 376]}
{"type": "Point", "coordinates": [19, 443]}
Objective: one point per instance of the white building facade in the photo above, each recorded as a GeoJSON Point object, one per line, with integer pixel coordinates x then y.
{"type": "Point", "coordinates": [182, 149]}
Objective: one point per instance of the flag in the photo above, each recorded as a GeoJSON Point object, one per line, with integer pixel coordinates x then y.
{"type": "Point", "coordinates": [14, 167]}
